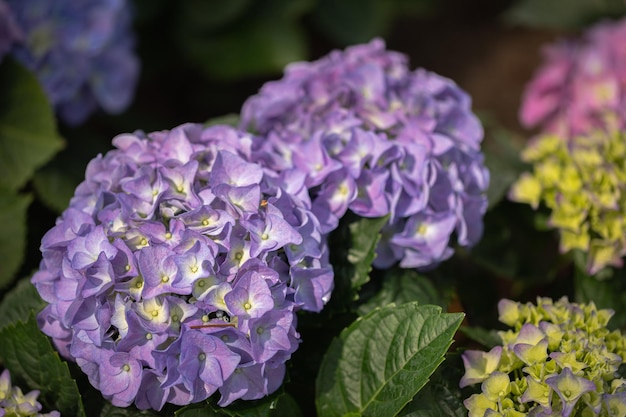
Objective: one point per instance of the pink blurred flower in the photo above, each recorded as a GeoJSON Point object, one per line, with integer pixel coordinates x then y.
{"type": "Point", "coordinates": [581, 85]}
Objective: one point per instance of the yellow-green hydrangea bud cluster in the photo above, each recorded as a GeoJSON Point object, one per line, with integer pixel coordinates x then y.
{"type": "Point", "coordinates": [559, 359]}
{"type": "Point", "coordinates": [583, 182]}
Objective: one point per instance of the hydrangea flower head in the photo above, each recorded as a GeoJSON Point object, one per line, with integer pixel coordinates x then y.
{"type": "Point", "coordinates": [581, 181]}
{"type": "Point", "coordinates": [581, 85]}
{"type": "Point", "coordinates": [178, 268]}
{"type": "Point", "coordinates": [559, 359]}
{"type": "Point", "coordinates": [13, 402]}
{"type": "Point", "coordinates": [82, 52]}
{"type": "Point", "coordinates": [378, 139]}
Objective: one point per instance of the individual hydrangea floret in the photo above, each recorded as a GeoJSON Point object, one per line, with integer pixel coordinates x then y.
{"type": "Point", "coordinates": [178, 268]}
{"type": "Point", "coordinates": [14, 403]}
{"type": "Point", "coordinates": [559, 359]}
{"type": "Point", "coordinates": [581, 85]}
{"type": "Point", "coordinates": [581, 181]}
{"type": "Point", "coordinates": [378, 139]}
{"type": "Point", "coordinates": [81, 52]}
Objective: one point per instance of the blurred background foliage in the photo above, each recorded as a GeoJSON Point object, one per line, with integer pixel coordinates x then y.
{"type": "Point", "coordinates": [202, 58]}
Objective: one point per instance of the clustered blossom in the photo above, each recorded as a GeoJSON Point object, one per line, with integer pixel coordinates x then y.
{"type": "Point", "coordinates": [583, 182]}
{"type": "Point", "coordinates": [81, 51]}
{"type": "Point", "coordinates": [178, 268]}
{"type": "Point", "coordinates": [378, 139]}
{"type": "Point", "coordinates": [13, 402]}
{"type": "Point", "coordinates": [581, 85]}
{"type": "Point", "coordinates": [559, 359]}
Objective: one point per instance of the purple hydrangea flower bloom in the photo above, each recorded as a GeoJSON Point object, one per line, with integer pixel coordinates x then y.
{"type": "Point", "coordinates": [178, 268]}
{"type": "Point", "coordinates": [377, 139]}
{"type": "Point", "coordinates": [581, 85]}
{"type": "Point", "coordinates": [82, 52]}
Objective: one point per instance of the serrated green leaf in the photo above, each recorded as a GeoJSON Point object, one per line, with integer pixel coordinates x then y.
{"type": "Point", "coordinates": [13, 213]}
{"type": "Point", "coordinates": [20, 303]}
{"type": "Point", "coordinates": [28, 135]}
{"type": "Point", "coordinates": [29, 356]}
{"type": "Point", "coordinates": [441, 397]}
{"type": "Point", "coordinates": [378, 364]}
{"type": "Point", "coordinates": [562, 13]}
{"type": "Point", "coordinates": [109, 410]}
{"type": "Point", "coordinates": [402, 286]}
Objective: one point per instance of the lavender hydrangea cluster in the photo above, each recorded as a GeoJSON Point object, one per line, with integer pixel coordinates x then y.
{"type": "Point", "coordinates": [177, 270]}
{"type": "Point", "coordinates": [377, 139]}
{"type": "Point", "coordinates": [13, 402]}
{"type": "Point", "coordinates": [559, 359]}
{"type": "Point", "coordinates": [81, 52]}
{"type": "Point", "coordinates": [581, 85]}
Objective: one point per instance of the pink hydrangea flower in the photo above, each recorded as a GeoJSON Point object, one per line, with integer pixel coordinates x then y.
{"type": "Point", "coordinates": [581, 85]}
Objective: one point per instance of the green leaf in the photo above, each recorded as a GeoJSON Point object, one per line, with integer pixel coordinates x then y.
{"type": "Point", "coordinates": [378, 364]}
{"type": "Point", "coordinates": [608, 293]}
{"type": "Point", "coordinates": [29, 356]}
{"type": "Point", "coordinates": [402, 286]}
{"type": "Point", "coordinates": [354, 249]}
{"type": "Point", "coordinates": [20, 303]}
{"type": "Point", "coordinates": [287, 407]}
{"type": "Point", "coordinates": [55, 186]}
{"type": "Point", "coordinates": [441, 397]}
{"type": "Point", "coordinates": [109, 410]}
{"type": "Point", "coordinates": [28, 135]}
{"type": "Point", "coordinates": [196, 410]}
{"type": "Point", "coordinates": [230, 119]}
{"type": "Point", "coordinates": [365, 236]}
{"type": "Point", "coordinates": [205, 15]}
{"type": "Point", "coordinates": [278, 404]}
{"type": "Point", "coordinates": [248, 46]}
{"type": "Point", "coordinates": [562, 13]}
{"type": "Point", "coordinates": [13, 214]}
{"type": "Point", "coordinates": [353, 21]}
{"type": "Point", "coordinates": [487, 338]}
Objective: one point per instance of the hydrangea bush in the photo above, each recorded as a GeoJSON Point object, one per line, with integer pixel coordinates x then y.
{"type": "Point", "coordinates": [581, 181]}
{"type": "Point", "coordinates": [13, 402]}
{"type": "Point", "coordinates": [581, 85]}
{"type": "Point", "coordinates": [315, 253]}
{"type": "Point", "coordinates": [82, 52]}
{"type": "Point", "coordinates": [178, 268]}
{"type": "Point", "coordinates": [378, 139]}
{"type": "Point", "coordinates": [558, 359]}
